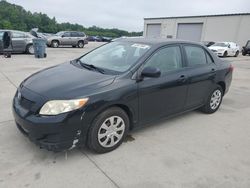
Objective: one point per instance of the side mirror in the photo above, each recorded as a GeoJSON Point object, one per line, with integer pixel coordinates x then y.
{"type": "Point", "coordinates": [62, 36]}
{"type": "Point", "coordinates": [229, 46]}
{"type": "Point", "coordinates": [151, 72]}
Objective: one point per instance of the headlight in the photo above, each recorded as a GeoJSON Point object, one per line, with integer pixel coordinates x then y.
{"type": "Point", "coordinates": [56, 107]}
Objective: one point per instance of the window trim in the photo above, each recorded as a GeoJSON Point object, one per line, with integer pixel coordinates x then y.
{"type": "Point", "coordinates": [157, 50]}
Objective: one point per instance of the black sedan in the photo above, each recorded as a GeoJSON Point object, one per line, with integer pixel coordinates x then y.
{"type": "Point", "coordinates": [96, 99]}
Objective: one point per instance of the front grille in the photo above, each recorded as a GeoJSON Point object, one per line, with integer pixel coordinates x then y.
{"type": "Point", "coordinates": [25, 103]}
{"type": "Point", "coordinates": [214, 51]}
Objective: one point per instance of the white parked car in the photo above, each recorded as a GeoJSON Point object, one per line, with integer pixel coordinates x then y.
{"type": "Point", "coordinates": [224, 49]}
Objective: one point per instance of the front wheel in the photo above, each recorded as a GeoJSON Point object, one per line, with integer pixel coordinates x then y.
{"type": "Point", "coordinates": [30, 49]}
{"type": "Point", "coordinates": [55, 44]}
{"type": "Point", "coordinates": [214, 101]}
{"type": "Point", "coordinates": [108, 130]}
{"type": "Point", "coordinates": [225, 54]}
{"type": "Point", "coordinates": [236, 54]}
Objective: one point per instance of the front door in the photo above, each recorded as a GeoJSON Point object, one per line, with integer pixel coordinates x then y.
{"type": "Point", "coordinates": [18, 41]}
{"type": "Point", "coordinates": [159, 97]}
{"type": "Point", "coordinates": [66, 39]}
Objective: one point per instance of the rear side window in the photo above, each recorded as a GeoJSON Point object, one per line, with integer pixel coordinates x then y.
{"type": "Point", "coordinates": [195, 56]}
{"type": "Point", "coordinates": [80, 34]}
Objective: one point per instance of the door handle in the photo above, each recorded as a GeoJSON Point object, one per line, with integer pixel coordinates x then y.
{"type": "Point", "coordinates": [213, 70]}
{"type": "Point", "coordinates": [182, 79]}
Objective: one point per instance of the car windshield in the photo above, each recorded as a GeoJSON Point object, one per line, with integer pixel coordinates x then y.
{"type": "Point", "coordinates": [220, 44]}
{"type": "Point", "coordinates": [248, 43]}
{"type": "Point", "coordinates": [116, 56]}
{"type": "Point", "coordinates": [59, 33]}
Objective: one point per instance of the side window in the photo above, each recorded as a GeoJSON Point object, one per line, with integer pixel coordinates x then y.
{"type": "Point", "coordinates": [80, 34]}
{"type": "Point", "coordinates": [74, 34]}
{"type": "Point", "coordinates": [66, 34]}
{"type": "Point", "coordinates": [195, 56]}
{"type": "Point", "coordinates": [18, 35]}
{"type": "Point", "coordinates": [166, 59]}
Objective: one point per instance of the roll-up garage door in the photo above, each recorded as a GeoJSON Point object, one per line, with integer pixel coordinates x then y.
{"type": "Point", "coordinates": [153, 30]}
{"type": "Point", "coordinates": [189, 31]}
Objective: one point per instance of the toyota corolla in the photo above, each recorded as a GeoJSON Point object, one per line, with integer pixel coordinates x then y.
{"type": "Point", "coordinates": [95, 100]}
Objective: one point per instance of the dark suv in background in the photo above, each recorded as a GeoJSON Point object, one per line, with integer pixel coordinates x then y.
{"type": "Point", "coordinates": [72, 38]}
{"type": "Point", "coordinates": [246, 48]}
{"type": "Point", "coordinates": [21, 41]}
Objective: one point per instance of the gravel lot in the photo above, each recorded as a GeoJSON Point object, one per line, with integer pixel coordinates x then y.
{"type": "Point", "coordinates": [192, 150]}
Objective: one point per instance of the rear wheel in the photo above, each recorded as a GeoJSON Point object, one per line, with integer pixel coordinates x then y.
{"type": "Point", "coordinates": [80, 44]}
{"type": "Point", "coordinates": [225, 54]}
{"type": "Point", "coordinates": [108, 130]}
{"type": "Point", "coordinates": [214, 100]}
{"type": "Point", "coordinates": [236, 54]}
{"type": "Point", "coordinates": [244, 53]}
{"type": "Point", "coordinates": [30, 49]}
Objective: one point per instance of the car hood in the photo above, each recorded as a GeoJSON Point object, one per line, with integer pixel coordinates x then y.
{"type": "Point", "coordinates": [217, 48]}
{"type": "Point", "coordinates": [66, 81]}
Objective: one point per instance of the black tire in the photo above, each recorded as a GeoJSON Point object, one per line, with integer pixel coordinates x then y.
{"type": "Point", "coordinates": [236, 54]}
{"type": "Point", "coordinates": [30, 49]}
{"type": "Point", "coordinates": [55, 44]}
{"type": "Point", "coordinates": [207, 107]}
{"type": "Point", "coordinates": [80, 44]}
{"type": "Point", "coordinates": [93, 142]}
{"type": "Point", "coordinates": [244, 53]}
{"type": "Point", "coordinates": [225, 54]}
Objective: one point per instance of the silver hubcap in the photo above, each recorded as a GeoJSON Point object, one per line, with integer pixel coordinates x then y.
{"type": "Point", "coordinates": [215, 99]}
{"type": "Point", "coordinates": [80, 44]}
{"type": "Point", "coordinates": [111, 131]}
{"type": "Point", "coordinates": [55, 44]}
{"type": "Point", "coordinates": [31, 49]}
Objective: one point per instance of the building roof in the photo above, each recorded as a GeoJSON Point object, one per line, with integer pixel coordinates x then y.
{"type": "Point", "coordinates": [198, 16]}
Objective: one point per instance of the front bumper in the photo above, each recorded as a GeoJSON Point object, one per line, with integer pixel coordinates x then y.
{"type": "Point", "coordinates": [54, 133]}
{"type": "Point", "coordinates": [218, 53]}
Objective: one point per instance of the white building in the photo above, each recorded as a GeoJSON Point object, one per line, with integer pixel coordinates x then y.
{"type": "Point", "coordinates": [226, 27]}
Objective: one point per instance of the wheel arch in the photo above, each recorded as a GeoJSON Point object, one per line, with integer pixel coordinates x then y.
{"type": "Point", "coordinates": [55, 40]}
{"type": "Point", "coordinates": [124, 107]}
{"type": "Point", "coordinates": [223, 86]}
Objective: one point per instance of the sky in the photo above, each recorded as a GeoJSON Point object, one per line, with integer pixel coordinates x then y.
{"type": "Point", "coordinates": [128, 14]}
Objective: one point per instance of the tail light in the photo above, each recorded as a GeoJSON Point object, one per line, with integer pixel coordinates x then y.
{"type": "Point", "coordinates": [231, 68]}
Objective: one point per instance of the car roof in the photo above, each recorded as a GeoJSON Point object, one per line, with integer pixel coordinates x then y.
{"type": "Point", "coordinates": [154, 41]}
{"type": "Point", "coordinates": [12, 30]}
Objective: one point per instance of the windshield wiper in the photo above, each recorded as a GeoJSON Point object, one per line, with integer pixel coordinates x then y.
{"type": "Point", "coordinates": [91, 67]}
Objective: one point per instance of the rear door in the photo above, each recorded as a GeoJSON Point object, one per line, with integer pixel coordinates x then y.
{"type": "Point", "coordinates": [201, 72]}
{"type": "Point", "coordinates": [159, 97]}
{"type": "Point", "coordinates": [74, 38]}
